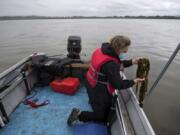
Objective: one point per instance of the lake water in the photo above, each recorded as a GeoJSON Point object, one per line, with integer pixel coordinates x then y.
{"type": "Point", "coordinates": [155, 39]}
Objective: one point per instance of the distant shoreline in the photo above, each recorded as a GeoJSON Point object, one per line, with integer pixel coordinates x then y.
{"type": "Point", "coordinates": [85, 17]}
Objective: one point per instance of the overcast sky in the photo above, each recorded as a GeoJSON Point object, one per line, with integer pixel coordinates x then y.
{"type": "Point", "coordinates": [89, 7]}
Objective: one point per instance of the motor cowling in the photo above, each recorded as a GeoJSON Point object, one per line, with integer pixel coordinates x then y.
{"type": "Point", "coordinates": [74, 47]}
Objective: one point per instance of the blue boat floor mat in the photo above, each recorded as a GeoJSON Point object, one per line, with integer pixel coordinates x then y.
{"type": "Point", "coordinates": [46, 120]}
{"type": "Point", "coordinates": [90, 129]}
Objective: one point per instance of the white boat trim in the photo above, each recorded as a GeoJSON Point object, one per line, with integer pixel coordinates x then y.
{"type": "Point", "coordinates": [135, 104]}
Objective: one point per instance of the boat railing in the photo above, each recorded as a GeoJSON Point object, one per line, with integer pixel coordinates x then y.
{"type": "Point", "coordinates": [134, 112]}
{"type": "Point", "coordinates": [14, 67]}
{"type": "Point", "coordinates": [17, 65]}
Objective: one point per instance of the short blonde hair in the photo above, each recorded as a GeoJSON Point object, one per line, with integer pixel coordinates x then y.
{"type": "Point", "coordinates": [120, 42]}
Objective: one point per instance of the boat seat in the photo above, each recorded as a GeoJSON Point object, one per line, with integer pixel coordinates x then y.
{"type": "Point", "coordinates": [90, 129]}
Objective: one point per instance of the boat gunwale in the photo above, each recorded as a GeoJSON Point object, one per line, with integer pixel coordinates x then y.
{"type": "Point", "coordinates": [137, 109]}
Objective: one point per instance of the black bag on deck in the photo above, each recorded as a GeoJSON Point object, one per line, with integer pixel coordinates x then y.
{"type": "Point", "coordinates": [49, 68]}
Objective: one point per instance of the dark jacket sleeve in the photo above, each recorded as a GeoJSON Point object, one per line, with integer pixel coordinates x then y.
{"type": "Point", "coordinates": [127, 63]}
{"type": "Point", "coordinates": [113, 76]}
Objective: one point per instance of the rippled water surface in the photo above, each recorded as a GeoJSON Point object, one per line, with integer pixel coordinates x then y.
{"type": "Point", "coordinates": [155, 39]}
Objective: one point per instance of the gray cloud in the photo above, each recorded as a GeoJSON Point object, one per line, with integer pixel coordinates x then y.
{"type": "Point", "coordinates": [89, 8]}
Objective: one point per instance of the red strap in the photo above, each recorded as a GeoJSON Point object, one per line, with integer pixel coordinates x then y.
{"type": "Point", "coordinates": [34, 105]}
{"type": "Point", "coordinates": [32, 102]}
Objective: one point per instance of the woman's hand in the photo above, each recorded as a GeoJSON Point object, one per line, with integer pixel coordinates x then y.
{"type": "Point", "coordinates": [138, 80]}
{"type": "Point", "coordinates": [135, 61]}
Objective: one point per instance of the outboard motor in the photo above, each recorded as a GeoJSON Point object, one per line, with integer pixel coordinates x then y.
{"type": "Point", "coordinates": [74, 47]}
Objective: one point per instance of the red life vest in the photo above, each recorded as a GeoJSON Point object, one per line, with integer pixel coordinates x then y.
{"type": "Point", "coordinates": [97, 60]}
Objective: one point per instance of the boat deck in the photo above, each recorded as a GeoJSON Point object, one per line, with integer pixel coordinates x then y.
{"type": "Point", "coordinates": [47, 120]}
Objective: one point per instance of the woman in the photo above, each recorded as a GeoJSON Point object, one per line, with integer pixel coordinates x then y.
{"type": "Point", "coordinates": [103, 77]}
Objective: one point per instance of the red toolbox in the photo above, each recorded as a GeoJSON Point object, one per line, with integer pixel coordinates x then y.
{"type": "Point", "coordinates": [67, 86]}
